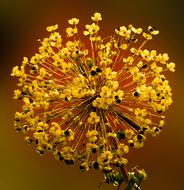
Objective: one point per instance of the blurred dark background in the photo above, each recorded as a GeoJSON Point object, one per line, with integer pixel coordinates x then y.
{"type": "Point", "coordinates": [22, 22]}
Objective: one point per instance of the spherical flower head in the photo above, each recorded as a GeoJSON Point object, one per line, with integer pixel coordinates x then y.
{"type": "Point", "coordinates": [91, 103]}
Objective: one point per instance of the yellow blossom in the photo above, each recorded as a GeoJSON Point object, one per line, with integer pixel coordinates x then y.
{"type": "Point", "coordinates": [25, 61]}
{"type": "Point", "coordinates": [123, 31]}
{"type": "Point", "coordinates": [91, 29]}
{"type": "Point", "coordinates": [96, 17]}
{"type": "Point", "coordinates": [52, 28]}
{"type": "Point", "coordinates": [152, 30]}
{"type": "Point", "coordinates": [93, 118]}
{"type": "Point", "coordinates": [135, 30]}
{"type": "Point", "coordinates": [71, 31]}
{"type": "Point", "coordinates": [147, 36]}
{"type": "Point", "coordinates": [171, 66]}
{"type": "Point", "coordinates": [17, 72]}
{"type": "Point", "coordinates": [73, 21]}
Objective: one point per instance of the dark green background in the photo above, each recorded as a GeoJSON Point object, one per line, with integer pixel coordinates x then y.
{"type": "Point", "coordinates": [22, 22]}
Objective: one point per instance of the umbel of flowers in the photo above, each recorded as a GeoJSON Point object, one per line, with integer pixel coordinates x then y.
{"type": "Point", "coordinates": [90, 102]}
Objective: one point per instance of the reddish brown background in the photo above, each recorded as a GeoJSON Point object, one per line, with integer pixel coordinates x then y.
{"type": "Point", "coordinates": [22, 22]}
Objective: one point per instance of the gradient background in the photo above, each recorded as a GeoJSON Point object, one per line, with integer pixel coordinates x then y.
{"type": "Point", "coordinates": [22, 22]}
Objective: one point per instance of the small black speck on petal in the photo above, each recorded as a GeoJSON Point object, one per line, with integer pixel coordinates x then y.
{"type": "Point", "coordinates": [98, 70]}
{"type": "Point", "coordinates": [136, 94]}
{"type": "Point", "coordinates": [66, 132]}
{"type": "Point", "coordinates": [94, 150]}
{"type": "Point", "coordinates": [139, 136]}
{"type": "Point", "coordinates": [93, 73]}
{"type": "Point", "coordinates": [159, 111]}
{"type": "Point", "coordinates": [82, 167]}
{"type": "Point", "coordinates": [116, 97]}
{"type": "Point", "coordinates": [118, 101]}
{"type": "Point", "coordinates": [96, 165]}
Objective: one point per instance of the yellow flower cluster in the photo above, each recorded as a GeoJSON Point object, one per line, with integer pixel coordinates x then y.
{"type": "Point", "coordinates": [93, 118]}
{"type": "Point", "coordinates": [92, 104]}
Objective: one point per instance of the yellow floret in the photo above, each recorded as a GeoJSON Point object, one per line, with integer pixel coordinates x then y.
{"type": "Point", "coordinates": [73, 21]}
{"type": "Point", "coordinates": [52, 28]}
{"type": "Point", "coordinates": [96, 17]}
